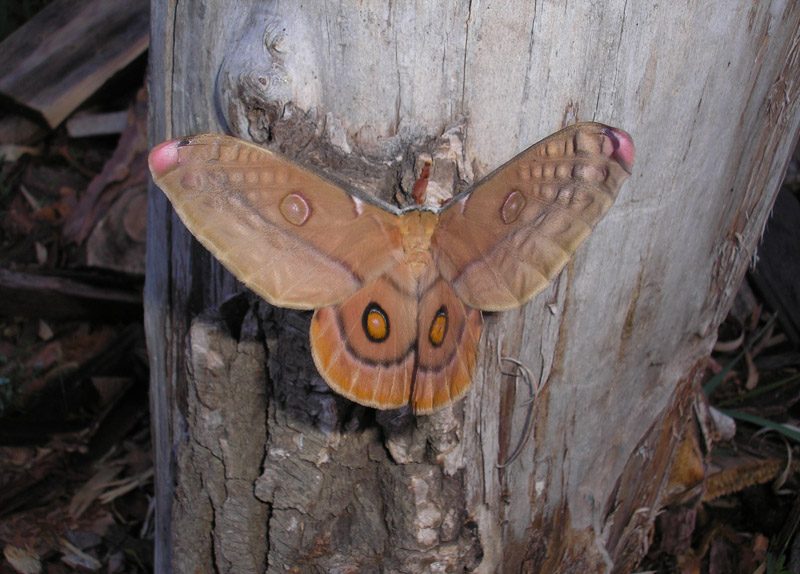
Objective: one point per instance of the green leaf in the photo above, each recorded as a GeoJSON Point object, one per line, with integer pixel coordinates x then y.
{"type": "Point", "coordinates": [760, 390]}
{"type": "Point", "coordinates": [786, 430]}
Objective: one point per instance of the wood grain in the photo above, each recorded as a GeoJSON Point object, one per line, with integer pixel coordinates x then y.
{"type": "Point", "coordinates": [62, 55]}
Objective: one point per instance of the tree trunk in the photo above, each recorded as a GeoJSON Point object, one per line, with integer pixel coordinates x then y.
{"type": "Point", "coordinates": [261, 468]}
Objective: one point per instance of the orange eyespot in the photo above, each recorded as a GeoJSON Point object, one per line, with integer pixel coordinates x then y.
{"type": "Point", "coordinates": [438, 327]}
{"type": "Point", "coordinates": [375, 323]}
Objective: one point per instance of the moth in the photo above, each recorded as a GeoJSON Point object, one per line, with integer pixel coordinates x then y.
{"type": "Point", "coordinates": [397, 294]}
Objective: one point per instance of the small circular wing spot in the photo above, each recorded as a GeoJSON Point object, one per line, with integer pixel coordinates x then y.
{"type": "Point", "coordinates": [375, 323]}
{"type": "Point", "coordinates": [438, 329]}
{"type": "Point", "coordinates": [295, 209]}
{"type": "Point", "coordinates": [512, 206]}
{"type": "Point", "coordinates": [192, 180]}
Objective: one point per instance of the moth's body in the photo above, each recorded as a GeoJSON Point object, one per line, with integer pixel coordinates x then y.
{"type": "Point", "coordinates": [397, 294]}
{"type": "Point", "coordinates": [406, 328]}
{"type": "Point", "coordinates": [416, 231]}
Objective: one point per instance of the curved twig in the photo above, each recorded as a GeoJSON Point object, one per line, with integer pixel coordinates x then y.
{"type": "Point", "coordinates": [523, 371]}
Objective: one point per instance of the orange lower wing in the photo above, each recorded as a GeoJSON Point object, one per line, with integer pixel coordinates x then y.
{"type": "Point", "coordinates": [447, 347]}
{"type": "Point", "coordinates": [365, 348]}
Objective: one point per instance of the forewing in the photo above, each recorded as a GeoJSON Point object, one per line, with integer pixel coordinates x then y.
{"type": "Point", "coordinates": [293, 237]}
{"type": "Point", "coordinates": [502, 243]}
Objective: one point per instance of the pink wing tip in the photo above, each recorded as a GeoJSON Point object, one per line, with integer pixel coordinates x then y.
{"type": "Point", "coordinates": [164, 157]}
{"type": "Point", "coordinates": [624, 150]}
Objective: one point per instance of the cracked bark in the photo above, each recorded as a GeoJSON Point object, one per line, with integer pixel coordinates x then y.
{"type": "Point", "coordinates": [260, 468]}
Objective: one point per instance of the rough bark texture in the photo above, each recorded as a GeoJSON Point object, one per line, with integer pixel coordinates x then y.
{"type": "Point", "coordinates": [266, 470]}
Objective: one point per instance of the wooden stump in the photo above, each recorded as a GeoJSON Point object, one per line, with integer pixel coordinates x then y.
{"type": "Point", "coordinates": [266, 470]}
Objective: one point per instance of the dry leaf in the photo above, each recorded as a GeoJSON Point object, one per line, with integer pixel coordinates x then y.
{"type": "Point", "coordinates": [23, 560]}
{"type": "Point", "coordinates": [93, 488]}
{"type": "Point", "coordinates": [77, 558]}
{"type": "Point", "coordinates": [41, 253]}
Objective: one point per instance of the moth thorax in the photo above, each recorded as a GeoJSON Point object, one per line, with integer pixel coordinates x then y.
{"type": "Point", "coordinates": [417, 229]}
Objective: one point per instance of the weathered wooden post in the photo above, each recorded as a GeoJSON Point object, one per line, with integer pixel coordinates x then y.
{"type": "Point", "coordinates": [261, 469]}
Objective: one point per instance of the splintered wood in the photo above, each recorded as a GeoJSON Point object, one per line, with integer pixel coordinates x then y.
{"type": "Point", "coordinates": [68, 50]}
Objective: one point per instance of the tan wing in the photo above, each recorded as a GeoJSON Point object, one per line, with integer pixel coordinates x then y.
{"type": "Point", "coordinates": [502, 243]}
{"type": "Point", "coordinates": [291, 236]}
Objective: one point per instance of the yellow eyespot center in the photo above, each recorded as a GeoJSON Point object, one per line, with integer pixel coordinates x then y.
{"type": "Point", "coordinates": [375, 323]}
{"type": "Point", "coordinates": [438, 327]}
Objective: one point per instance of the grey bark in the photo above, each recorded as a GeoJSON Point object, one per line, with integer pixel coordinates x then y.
{"type": "Point", "coordinates": [266, 470]}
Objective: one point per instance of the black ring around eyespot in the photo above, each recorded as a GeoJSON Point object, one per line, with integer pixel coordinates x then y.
{"type": "Point", "coordinates": [440, 314]}
{"type": "Point", "coordinates": [375, 308]}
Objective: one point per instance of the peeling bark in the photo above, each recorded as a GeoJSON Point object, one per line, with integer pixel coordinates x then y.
{"type": "Point", "coordinates": [217, 519]}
